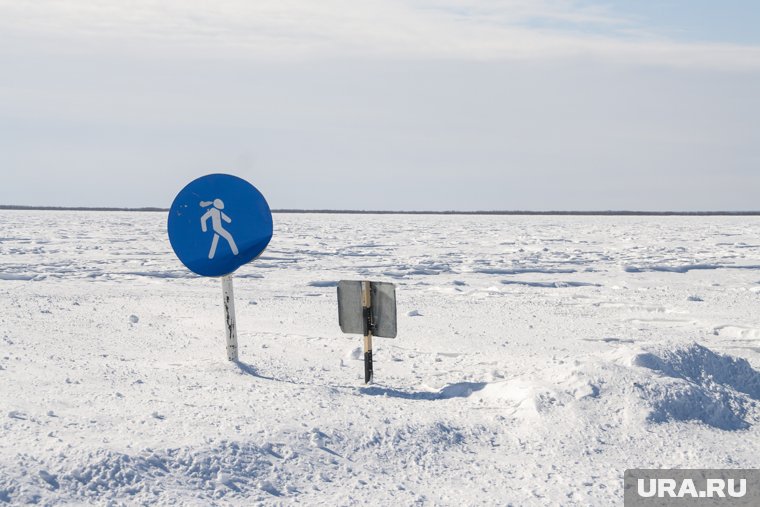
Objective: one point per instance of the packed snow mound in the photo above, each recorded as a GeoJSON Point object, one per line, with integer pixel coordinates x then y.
{"type": "Point", "coordinates": [418, 439]}
{"type": "Point", "coordinates": [226, 470]}
{"type": "Point", "coordinates": [697, 384]}
{"type": "Point", "coordinates": [701, 365]}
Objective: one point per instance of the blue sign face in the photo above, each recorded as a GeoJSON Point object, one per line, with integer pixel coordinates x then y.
{"type": "Point", "coordinates": [217, 223]}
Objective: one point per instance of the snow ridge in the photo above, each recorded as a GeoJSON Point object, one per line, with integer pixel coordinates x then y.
{"type": "Point", "coordinates": [698, 384]}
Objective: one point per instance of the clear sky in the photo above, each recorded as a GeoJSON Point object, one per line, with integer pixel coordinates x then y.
{"type": "Point", "coordinates": [384, 104]}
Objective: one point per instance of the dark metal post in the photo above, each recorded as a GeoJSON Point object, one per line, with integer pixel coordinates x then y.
{"type": "Point", "coordinates": [367, 319]}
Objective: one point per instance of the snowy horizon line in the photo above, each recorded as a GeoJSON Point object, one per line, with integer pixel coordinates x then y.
{"type": "Point", "coordinates": [11, 207]}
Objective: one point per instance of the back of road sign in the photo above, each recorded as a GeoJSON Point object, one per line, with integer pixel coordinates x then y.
{"type": "Point", "coordinates": [382, 301]}
{"type": "Point", "coordinates": [217, 223]}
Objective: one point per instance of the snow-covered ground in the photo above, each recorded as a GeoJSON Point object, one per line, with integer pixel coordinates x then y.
{"type": "Point", "coordinates": [537, 359]}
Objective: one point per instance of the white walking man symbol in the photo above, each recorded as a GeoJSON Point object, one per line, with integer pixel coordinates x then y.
{"type": "Point", "coordinates": [216, 215]}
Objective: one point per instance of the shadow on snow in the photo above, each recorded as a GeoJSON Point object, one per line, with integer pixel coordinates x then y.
{"type": "Point", "coordinates": [460, 390]}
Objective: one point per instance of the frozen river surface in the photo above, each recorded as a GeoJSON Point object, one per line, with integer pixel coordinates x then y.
{"type": "Point", "coordinates": [537, 359]}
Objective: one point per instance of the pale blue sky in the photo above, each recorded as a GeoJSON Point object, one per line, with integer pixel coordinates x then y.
{"type": "Point", "coordinates": [696, 20]}
{"type": "Point", "coordinates": [386, 104]}
{"type": "Point", "coordinates": [682, 20]}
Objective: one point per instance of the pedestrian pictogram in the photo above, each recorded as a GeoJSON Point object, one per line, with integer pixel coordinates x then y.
{"type": "Point", "coordinates": [216, 215]}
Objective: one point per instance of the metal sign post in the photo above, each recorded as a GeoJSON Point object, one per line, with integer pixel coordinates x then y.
{"type": "Point", "coordinates": [216, 224]}
{"type": "Point", "coordinates": [229, 318]}
{"type": "Point", "coordinates": [369, 309]}
{"type": "Point", "coordinates": [367, 318]}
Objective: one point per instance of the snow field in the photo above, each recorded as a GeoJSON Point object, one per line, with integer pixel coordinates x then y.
{"type": "Point", "coordinates": [537, 359]}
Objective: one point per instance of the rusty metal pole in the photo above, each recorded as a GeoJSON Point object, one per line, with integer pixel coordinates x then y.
{"type": "Point", "coordinates": [367, 318]}
{"type": "Point", "coordinates": [229, 318]}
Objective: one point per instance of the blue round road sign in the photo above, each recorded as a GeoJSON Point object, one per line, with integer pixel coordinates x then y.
{"type": "Point", "coordinates": [217, 223]}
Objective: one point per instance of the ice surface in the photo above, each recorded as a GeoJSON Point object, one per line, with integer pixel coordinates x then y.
{"type": "Point", "coordinates": [537, 359]}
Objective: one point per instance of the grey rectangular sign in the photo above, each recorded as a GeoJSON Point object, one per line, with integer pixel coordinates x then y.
{"type": "Point", "coordinates": [383, 304]}
{"type": "Point", "coordinates": [690, 488]}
